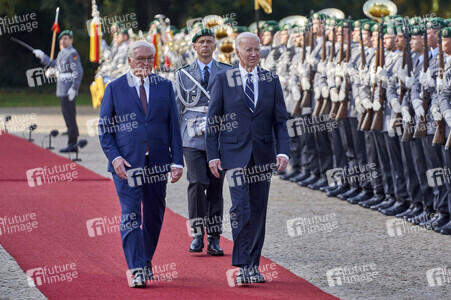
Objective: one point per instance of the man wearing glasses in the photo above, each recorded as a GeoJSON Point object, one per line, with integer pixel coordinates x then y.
{"type": "Point", "coordinates": [139, 133]}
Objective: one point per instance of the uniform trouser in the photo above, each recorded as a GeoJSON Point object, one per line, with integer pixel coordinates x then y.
{"type": "Point", "coordinates": [296, 149]}
{"type": "Point", "coordinates": [384, 162]}
{"type": "Point", "coordinates": [344, 127]}
{"type": "Point", "coordinates": [410, 173]}
{"type": "Point", "coordinates": [447, 160]}
{"type": "Point", "coordinates": [139, 245]}
{"type": "Point", "coordinates": [421, 169]}
{"type": "Point", "coordinates": [340, 160]}
{"type": "Point", "coordinates": [358, 140]}
{"type": "Point", "coordinates": [69, 114]}
{"type": "Point", "coordinates": [323, 146]}
{"type": "Point", "coordinates": [434, 160]}
{"type": "Point", "coordinates": [396, 166]}
{"type": "Point", "coordinates": [310, 157]}
{"type": "Point", "coordinates": [205, 200]}
{"type": "Point", "coordinates": [248, 216]}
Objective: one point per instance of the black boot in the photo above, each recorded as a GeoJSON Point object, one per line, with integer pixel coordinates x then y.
{"type": "Point", "coordinates": [308, 180]}
{"type": "Point", "coordinates": [197, 244]}
{"type": "Point", "coordinates": [318, 184]}
{"type": "Point", "coordinates": [354, 191]}
{"type": "Point", "coordinates": [399, 207]}
{"type": "Point", "coordinates": [361, 197]}
{"type": "Point", "coordinates": [340, 190]}
{"type": "Point", "coordinates": [446, 229]}
{"type": "Point", "coordinates": [415, 211]}
{"type": "Point", "coordinates": [213, 246]}
{"type": "Point", "coordinates": [289, 175]}
{"type": "Point", "coordinates": [387, 203]}
{"type": "Point", "coordinates": [376, 199]}
{"type": "Point", "coordinates": [427, 214]}
{"type": "Point", "coordinates": [300, 177]}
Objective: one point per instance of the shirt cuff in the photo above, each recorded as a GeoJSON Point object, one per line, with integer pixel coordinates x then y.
{"type": "Point", "coordinates": [115, 159]}
{"type": "Point", "coordinates": [213, 160]}
{"type": "Point", "coordinates": [176, 166]}
{"type": "Point", "coordinates": [284, 155]}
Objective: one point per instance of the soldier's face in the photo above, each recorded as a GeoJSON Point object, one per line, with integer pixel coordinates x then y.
{"type": "Point", "coordinates": [339, 35]}
{"type": "Point", "coordinates": [446, 44]}
{"type": "Point", "coordinates": [432, 38]}
{"type": "Point", "coordinates": [298, 39]}
{"type": "Point", "coordinates": [284, 37]}
{"type": "Point", "coordinates": [389, 42]}
{"type": "Point", "coordinates": [141, 63]}
{"type": "Point", "coordinates": [374, 37]}
{"type": "Point", "coordinates": [249, 53]}
{"type": "Point", "coordinates": [367, 38]}
{"type": "Point", "coordinates": [65, 41]}
{"type": "Point", "coordinates": [399, 41]}
{"type": "Point", "coordinates": [205, 46]}
{"type": "Point", "coordinates": [267, 38]}
{"type": "Point", "coordinates": [416, 43]}
{"type": "Point", "coordinates": [356, 35]}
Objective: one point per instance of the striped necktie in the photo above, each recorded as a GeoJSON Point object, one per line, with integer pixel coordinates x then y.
{"type": "Point", "coordinates": [249, 91]}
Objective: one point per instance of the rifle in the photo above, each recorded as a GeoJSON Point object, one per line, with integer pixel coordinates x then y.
{"type": "Point", "coordinates": [297, 109]}
{"type": "Point", "coordinates": [320, 101]}
{"type": "Point", "coordinates": [398, 117]}
{"type": "Point", "coordinates": [362, 67]}
{"type": "Point", "coordinates": [325, 109]}
{"type": "Point", "coordinates": [366, 125]}
{"type": "Point", "coordinates": [410, 127]}
{"type": "Point", "coordinates": [336, 105]}
{"type": "Point", "coordinates": [420, 130]}
{"type": "Point", "coordinates": [379, 115]}
{"type": "Point", "coordinates": [307, 97]}
{"type": "Point", "coordinates": [343, 108]}
{"type": "Point", "coordinates": [439, 136]}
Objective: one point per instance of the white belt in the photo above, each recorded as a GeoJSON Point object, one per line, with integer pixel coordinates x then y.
{"type": "Point", "coordinates": [203, 109]}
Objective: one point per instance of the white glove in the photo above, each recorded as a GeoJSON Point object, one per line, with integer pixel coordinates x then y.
{"type": "Point", "coordinates": [38, 53]}
{"type": "Point", "coordinates": [395, 106]}
{"type": "Point", "coordinates": [339, 71]}
{"type": "Point", "coordinates": [363, 75]}
{"type": "Point", "coordinates": [436, 115]}
{"type": "Point", "coordinates": [203, 124]}
{"type": "Point", "coordinates": [441, 84]}
{"type": "Point", "coordinates": [402, 74]}
{"type": "Point", "coordinates": [295, 93]}
{"type": "Point", "coordinates": [410, 80]}
{"type": "Point", "coordinates": [373, 78]}
{"type": "Point", "coordinates": [317, 93]}
{"type": "Point", "coordinates": [377, 106]}
{"type": "Point", "coordinates": [406, 117]}
{"type": "Point", "coordinates": [381, 74]}
{"type": "Point", "coordinates": [423, 79]}
{"type": "Point", "coordinates": [325, 92]}
{"type": "Point", "coordinates": [367, 104]}
{"type": "Point", "coordinates": [305, 84]}
{"type": "Point", "coordinates": [341, 95]}
{"type": "Point", "coordinates": [313, 61]}
{"type": "Point", "coordinates": [71, 93]}
{"type": "Point", "coordinates": [50, 72]}
{"type": "Point", "coordinates": [430, 79]}
{"type": "Point", "coordinates": [358, 105]}
{"type": "Point", "coordinates": [447, 116]}
{"type": "Point", "coordinates": [337, 80]}
{"type": "Point", "coordinates": [418, 107]}
{"type": "Point", "coordinates": [334, 95]}
{"type": "Point", "coordinates": [321, 67]}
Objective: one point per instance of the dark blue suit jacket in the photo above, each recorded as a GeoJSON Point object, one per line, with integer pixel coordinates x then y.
{"type": "Point", "coordinates": [124, 128]}
{"type": "Point", "coordinates": [259, 133]}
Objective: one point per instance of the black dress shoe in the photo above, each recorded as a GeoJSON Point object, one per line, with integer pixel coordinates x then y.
{"type": "Point", "coordinates": [242, 277]}
{"type": "Point", "coordinates": [289, 175]}
{"type": "Point", "coordinates": [301, 176]}
{"type": "Point", "coordinates": [361, 197]}
{"type": "Point", "coordinates": [354, 191]}
{"type": "Point", "coordinates": [69, 148]}
{"type": "Point", "coordinates": [148, 271]}
{"type": "Point", "coordinates": [376, 199]}
{"type": "Point", "coordinates": [213, 246]}
{"type": "Point", "coordinates": [139, 280]}
{"type": "Point", "coordinates": [415, 211]}
{"type": "Point", "coordinates": [308, 180]}
{"type": "Point", "coordinates": [426, 215]}
{"type": "Point", "coordinates": [340, 190]}
{"type": "Point", "coordinates": [318, 184]}
{"type": "Point", "coordinates": [406, 212]}
{"type": "Point", "coordinates": [446, 229]}
{"type": "Point", "coordinates": [387, 203]}
{"type": "Point", "coordinates": [197, 244]}
{"type": "Point", "coordinates": [441, 220]}
{"type": "Point", "coordinates": [255, 276]}
{"type": "Point", "coordinates": [439, 228]}
{"type": "Point", "coordinates": [328, 188]}
{"type": "Point", "coordinates": [399, 207]}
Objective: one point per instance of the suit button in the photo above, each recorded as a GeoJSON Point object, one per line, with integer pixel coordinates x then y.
{"type": "Point", "coordinates": [145, 123]}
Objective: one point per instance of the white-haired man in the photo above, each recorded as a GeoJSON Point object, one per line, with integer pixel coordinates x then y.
{"type": "Point", "coordinates": [139, 133]}
{"type": "Point", "coordinates": [247, 153]}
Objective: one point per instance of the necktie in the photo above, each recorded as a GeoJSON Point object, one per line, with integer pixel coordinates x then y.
{"type": "Point", "coordinates": [143, 96]}
{"type": "Point", "coordinates": [249, 91]}
{"type": "Point", "coordinates": [206, 76]}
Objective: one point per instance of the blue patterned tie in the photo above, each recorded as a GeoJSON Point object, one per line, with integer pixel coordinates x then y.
{"type": "Point", "coordinates": [249, 91]}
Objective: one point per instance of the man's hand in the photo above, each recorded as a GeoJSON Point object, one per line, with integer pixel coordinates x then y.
{"type": "Point", "coordinates": [38, 53]}
{"type": "Point", "coordinates": [282, 163]}
{"type": "Point", "coordinates": [71, 93]}
{"type": "Point", "coordinates": [215, 166]}
{"type": "Point", "coordinates": [119, 167]}
{"type": "Point", "coordinates": [176, 174]}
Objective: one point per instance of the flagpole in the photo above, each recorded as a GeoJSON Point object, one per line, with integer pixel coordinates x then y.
{"type": "Point", "coordinates": [257, 16]}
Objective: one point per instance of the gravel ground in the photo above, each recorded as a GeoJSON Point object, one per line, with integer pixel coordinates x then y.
{"type": "Point", "coordinates": [375, 262]}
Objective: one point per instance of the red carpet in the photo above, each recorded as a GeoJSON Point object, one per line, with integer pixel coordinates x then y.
{"type": "Point", "coordinates": [52, 234]}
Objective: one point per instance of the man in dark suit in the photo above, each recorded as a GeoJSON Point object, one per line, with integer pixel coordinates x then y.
{"type": "Point", "coordinates": [252, 98]}
{"type": "Point", "coordinates": [139, 133]}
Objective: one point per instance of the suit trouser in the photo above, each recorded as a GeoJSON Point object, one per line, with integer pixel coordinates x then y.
{"type": "Point", "coordinates": [311, 154]}
{"type": "Point", "coordinates": [205, 198]}
{"type": "Point", "coordinates": [434, 160]}
{"type": "Point", "coordinates": [384, 162]}
{"type": "Point", "coordinates": [139, 245]}
{"type": "Point", "coordinates": [447, 160]}
{"type": "Point", "coordinates": [410, 173]}
{"type": "Point", "coordinates": [396, 166]}
{"type": "Point", "coordinates": [248, 215]}
{"type": "Point", "coordinates": [323, 146]}
{"type": "Point", "coordinates": [421, 169]}
{"type": "Point", "coordinates": [358, 141]}
{"type": "Point", "coordinates": [69, 115]}
{"type": "Point", "coordinates": [372, 158]}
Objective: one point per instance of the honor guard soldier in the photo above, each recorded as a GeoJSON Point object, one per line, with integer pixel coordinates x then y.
{"type": "Point", "coordinates": [205, 200]}
{"type": "Point", "coordinates": [69, 72]}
